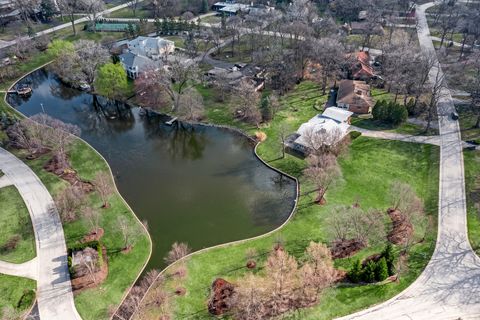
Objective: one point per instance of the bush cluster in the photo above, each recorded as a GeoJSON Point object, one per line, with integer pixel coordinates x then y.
{"type": "Point", "coordinates": [374, 271]}
{"type": "Point", "coordinates": [390, 112]}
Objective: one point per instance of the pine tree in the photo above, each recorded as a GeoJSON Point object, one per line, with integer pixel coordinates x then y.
{"type": "Point", "coordinates": [355, 273]}
{"type": "Point", "coordinates": [368, 273]}
{"type": "Point", "coordinates": [381, 270]}
{"type": "Point", "coordinates": [205, 6]}
{"type": "Point", "coordinates": [265, 109]}
{"type": "Point", "coordinates": [389, 259]}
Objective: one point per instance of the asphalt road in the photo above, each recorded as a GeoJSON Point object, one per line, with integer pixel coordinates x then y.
{"type": "Point", "coordinates": [449, 287]}
{"type": "Point", "coordinates": [54, 291]}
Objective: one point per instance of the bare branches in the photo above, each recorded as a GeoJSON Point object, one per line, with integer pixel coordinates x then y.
{"type": "Point", "coordinates": [69, 202]}
{"type": "Point", "coordinates": [246, 101]}
{"type": "Point", "coordinates": [103, 186]}
{"type": "Point", "coordinates": [178, 251]}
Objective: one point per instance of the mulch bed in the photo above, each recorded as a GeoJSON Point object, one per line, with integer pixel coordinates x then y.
{"type": "Point", "coordinates": [84, 282]}
{"type": "Point", "coordinates": [402, 229]}
{"type": "Point", "coordinates": [222, 291]}
{"type": "Point", "coordinates": [68, 174]}
{"type": "Point", "coordinates": [345, 248]}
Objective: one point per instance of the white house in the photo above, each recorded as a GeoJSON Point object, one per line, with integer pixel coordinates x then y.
{"type": "Point", "coordinates": [151, 47]}
{"type": "Point", "coordinates": [333, 123]}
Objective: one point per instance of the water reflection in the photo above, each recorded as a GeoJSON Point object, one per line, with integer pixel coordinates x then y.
{"type": "Point", "coordinates": [192, 183]}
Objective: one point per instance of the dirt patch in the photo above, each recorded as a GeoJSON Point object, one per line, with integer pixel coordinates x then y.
{"type": "Point", "coordinates": [346, 248]}
{"type": "Point", "coordinates": [402, 229]}
{"type": "Point", "coordinates": [94, 235]}
{"type": "Point", "coordinates": [57, 167]}
{"type": "Point", "coordinates": [222, 291]}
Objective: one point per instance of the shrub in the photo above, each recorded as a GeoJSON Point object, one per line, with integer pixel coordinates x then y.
{"type": "Point", "coordinates": [390, 112]}
{"type": "Point", "coordinates": [381, 270]}
{"type": "Point", "coordinates": [355, 273]}
{"type": "Point", "coordinates": [368, 274]}
{"type": "Point", "coordinates": [266, 109]}
{"type": "Point", "coordinates": [354, 134]}
{"type": "Point", "coordinates": [389, 259]}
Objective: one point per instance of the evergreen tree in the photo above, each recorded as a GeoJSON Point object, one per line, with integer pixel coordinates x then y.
{"type": "Point", "coordinates": [389, 259]}
{"type": "Point", "coordinates": [355, 273]}
{"type": "Point", "coordinates": [205, 6]}
{"type": "Point", "coordinates": [266, 109]}
{"type": "Point", "coordinates": [48, 9]}
{"type": "Point", "coordinates": [381, 270]}
{"type": "Point", "coordinates": [368, 274]}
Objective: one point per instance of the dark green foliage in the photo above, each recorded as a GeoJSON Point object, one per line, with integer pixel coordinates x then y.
{"type": "Point", "coordinates": [48, 9]}
{"type": "Point", "coordinates": [390, 112]}
{"type": "Point", "coordinates": [354, 134]}
{"type": "Point", "coordinates": [266, 109]}
{"type": "Point", "coordinates": [411, 106]}
{"type": "Point", "coordinates": [205, 6]}
{"type": "Point", "coordinates": [389, 259]}
{"type": "Point", "coordinates": [381, 270]}
{"type": "Point", "coordinates": [355, 274]}
{"type": "Point", "coordinates": [368, 274]}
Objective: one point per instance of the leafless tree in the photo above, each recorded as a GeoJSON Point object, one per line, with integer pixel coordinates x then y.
{"type": "Point", "coordinates": [90, 263]}
{"type": "Point", "coordinates": [69, 202]}
{"type": "Point", "coordinates": [133, 5]}
{"type": "Point", "coordinates": [283, 131]}
{"type": "Point", "coordinates": [191, 105]}
{"type": "Point", "coordinates": [323, 171]}
{"type": "Point", "coordinates": [330, 54]}
{"type": "Point", "coordinates": [178, 251]}
{"type": "Point", "coordinates": [473, 86]}
{"type": "Point", "coordinates": [353, 223]}
{"type": "Point", "coordinates": [92, 9]}
{"type": "Point", "coordinates": [93, 217]}
{"type": "Point", "coordinates": [127, 231]}
{"type": "Point", "coordinates": [246, 102]}
{"type": "Point", "coordinates": [249, 301]}
{"type": "Point", "coordinates": [103, 186]}
{"type": "Point", "coordinates": [437, 92]}
{"type": "Point", "coordinates": [404, 199]}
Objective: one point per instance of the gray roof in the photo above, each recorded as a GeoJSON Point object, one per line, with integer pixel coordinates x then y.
{"type": "Point", "coordinates": [133, 60]}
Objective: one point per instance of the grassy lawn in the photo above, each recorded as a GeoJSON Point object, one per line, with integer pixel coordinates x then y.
{"type": "Point", "coordinates": [472, 187]}
{"type": "Point", "coordinates": [140, 13]}
{"type": "Point", "coordinates": [15, 222]}
{"type": "Point", "coordinates": [212, 19]}
{"type": "Point", "coordinates": [467, 124]}
{"type": "Point", "coordinates": [404, 128]}
{"type": "Point", "coordinates": [123, 268]}
{"type": "Point", "coordinates": [368, 170]}
{"type": "Point", "coordinates": [16, 293]}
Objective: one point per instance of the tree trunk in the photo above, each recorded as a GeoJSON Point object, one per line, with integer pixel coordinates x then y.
{"type": "Point", "coordinates": [72, 20]}
{"type": "Point", "coordinates": [477, 123]}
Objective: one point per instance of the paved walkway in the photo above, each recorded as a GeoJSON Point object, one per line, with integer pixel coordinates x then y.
{"type": "Point", "coordinates": [449, 287]}
{"type": "Point", "coordinates": [435, 140]}
{"type": "Point", "coordinates": [28, 269]}
{"type": "Point", "coordinates": [54, 292]}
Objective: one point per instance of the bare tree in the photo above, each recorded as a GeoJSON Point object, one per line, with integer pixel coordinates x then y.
{"type": "Point", "coordinates": [69, 202]}
{"type": "Point", "coordinates": [191, 105]}
{"type": "Point", "coordinates": [90, 262]}
{"type": "Point", "coordinates": [127, 231]}
{"type": "Point", "coordinates": [437, 86]}
{"type": "Point", "coordinates": [473, 86]}
{"type": "Point", "coordinates": [283, 131]}
{"type": "Point", "coordinates": [103, 185]}
{"type": "Point", "coordinates": [93, 217]}
{"type": "Point", "coordinates": [93, 8]}
{"type": "Point", "coordinates": [178, 251]}
{"type": "Point", "coordinates": [246, 102]}
{"type": "Point", "coordinates": [250, 299]}
{"type": "Point", "coordinates": [404, 199]}
{"type": "Point", "coordinates": [323, 171]}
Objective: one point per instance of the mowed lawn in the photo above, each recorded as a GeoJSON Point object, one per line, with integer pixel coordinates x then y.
{"type": "Point", "coordinates": [17, 241]}
{"type": "Point", "coordinates": [472, 186]}
{"type": "Point", "coordinates": [123, 268]}
{"type": "Point", "coordinates": [17, 294]}
{"type": "Point", "coordinates": [368, 170]}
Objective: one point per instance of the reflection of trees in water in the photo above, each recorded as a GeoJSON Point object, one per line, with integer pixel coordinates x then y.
{"type": "Point", "coordinates": [36, 78]}
{"type": "Point", "coordinates": [63, 92]}
{"type": "Point", "coordinates": [270, 207]}
{"type": "Point", "coordinates": [181, 140]}
{"type": "Point", "coordinates": [104, 116]}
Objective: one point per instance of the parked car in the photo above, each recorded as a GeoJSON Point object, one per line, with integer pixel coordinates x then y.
{"type": "Point", "coordinates": [454, 115]}
{"type": "Point", "coordinates": [85, 86]}
{"type": "Point", "coordinates": [474, 142]}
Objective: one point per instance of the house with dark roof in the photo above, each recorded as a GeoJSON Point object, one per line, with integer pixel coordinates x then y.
{"type": "Point", "coordinates": [135, 64]}
{"type": "Point", "coordinates": [354, 96]}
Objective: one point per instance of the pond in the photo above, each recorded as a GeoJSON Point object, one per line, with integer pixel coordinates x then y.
{"type": "Point", "coordinates": [195, 184]}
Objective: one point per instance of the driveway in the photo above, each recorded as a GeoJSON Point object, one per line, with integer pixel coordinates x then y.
{"type": "Point", "coordinates": [435, 140]}
{"type": "Point", "coordinates": [449, 287]}
{"type": "Point", "coordinates": [54, 291]}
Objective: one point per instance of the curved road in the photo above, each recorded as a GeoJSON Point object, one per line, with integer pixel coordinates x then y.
{"type": "Point", "coordinates": [49, 268]}
{"type": "Point", "coordinates": [449, 287]}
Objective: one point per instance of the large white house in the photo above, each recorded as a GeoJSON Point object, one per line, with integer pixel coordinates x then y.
{"type": "Point", "coordinates": [330, 127]}
{"type": "Point", "coordinates": [151, 47]}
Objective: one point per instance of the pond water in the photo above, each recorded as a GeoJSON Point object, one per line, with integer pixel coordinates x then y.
{"type": "Point", "coordinates": [193, 184]}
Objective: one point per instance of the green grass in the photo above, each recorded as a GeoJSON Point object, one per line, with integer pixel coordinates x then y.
{"type": "Point", "coordinates": [472, 186]}
{"type": "Point", "coordinates": [15, 221]}
{"type": "Point", "coordinates": [368, 171]}
{"type": "Point", "coordinates": [17, 293]}
{"type": "Point", "coordinates": [404, 128]}
{"type": "Point", "coordinates": [212, 19]}
{"type": "Point", "coordinates": [128, 13]}
{"type": "Point", "coordinates": [123, 268]}
{"type": "Point", "coordinates": [467, 120]}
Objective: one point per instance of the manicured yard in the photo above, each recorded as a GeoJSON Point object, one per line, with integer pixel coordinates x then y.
{"type": "Point", "coordinates": [467, 121]}
{"type": "Point", "coordinates": [368, 171]}
{"type": "Point", "coordinates": [16, 293]}
{"type": "Point", "coordinates": [472, 187]}
{"type": "Point", "coordinates": [16, 228]}
{"type": "Point", "coordinates": [123, 267]}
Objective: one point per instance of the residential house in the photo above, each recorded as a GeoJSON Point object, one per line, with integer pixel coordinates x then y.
{"type": "Point", "coordinates": [151, 47]}
{"type": "Point", "coordinates": [361, 68]}
{"type": "Point", "coordinates": [333, 122]}
{"type": "Point", "coordinates": [230, 8]}
{"type": "Point", "coordinates": [354, 96]}
{"type": "Point", "coordinates": [135, 64]}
